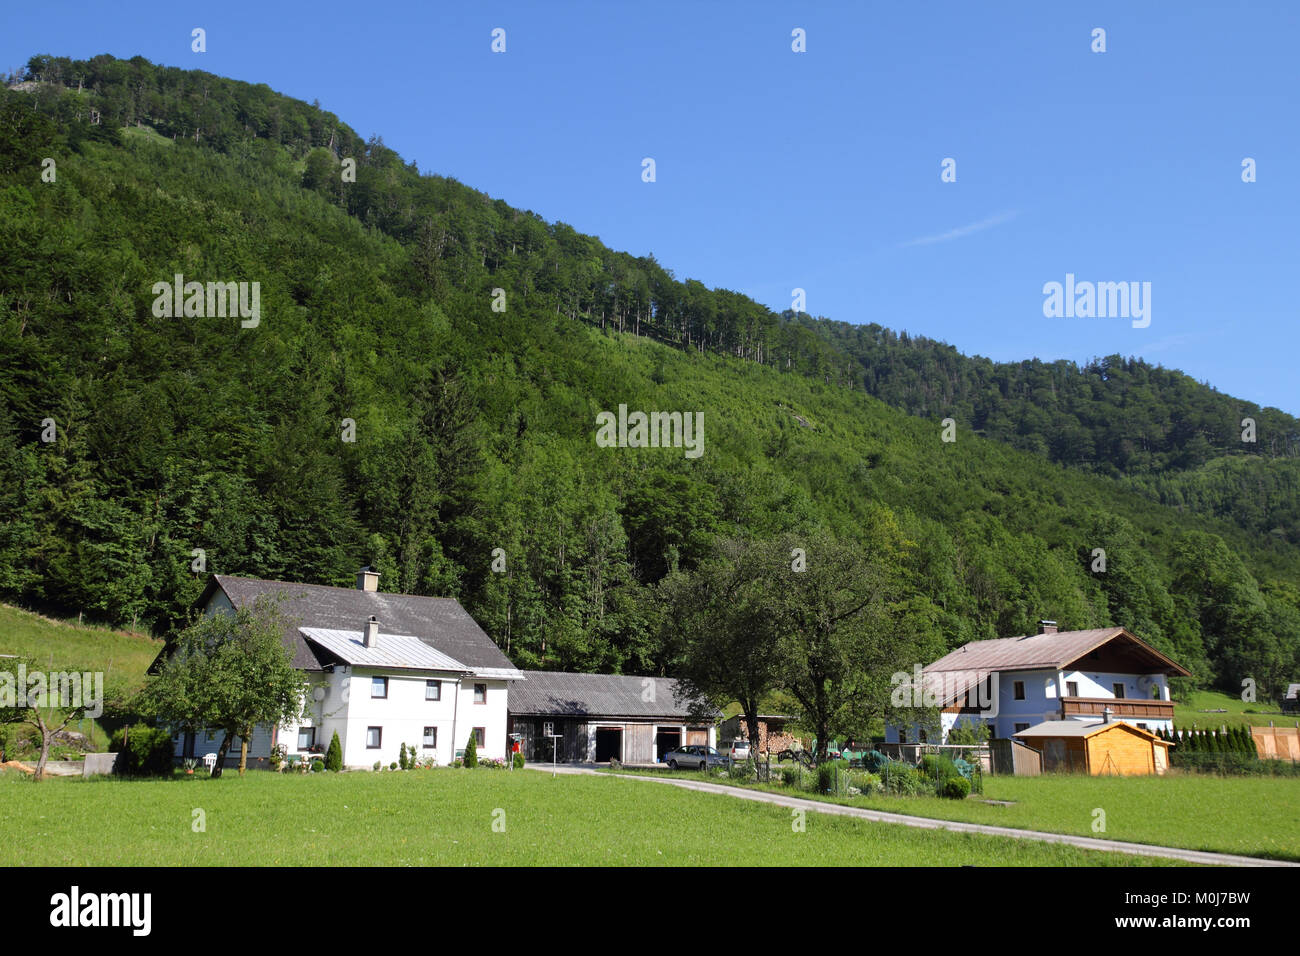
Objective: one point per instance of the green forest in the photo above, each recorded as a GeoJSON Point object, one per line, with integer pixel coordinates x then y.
{"type": "Point", "coordinates": [466, 347]}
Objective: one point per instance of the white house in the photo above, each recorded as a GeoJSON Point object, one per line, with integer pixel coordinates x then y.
{"type": "Point", "coordinates": [1013, 683]}
{"type": "Point", "coordinates": [380, 669]}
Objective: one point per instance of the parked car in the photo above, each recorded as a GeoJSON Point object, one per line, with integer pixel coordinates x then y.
{"type": "Point", "coordinates": [739, 749]}
{"type": "Point", "coordinates": [695, 757]}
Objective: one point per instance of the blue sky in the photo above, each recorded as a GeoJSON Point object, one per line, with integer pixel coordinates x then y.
{"type": "Point", "coordinates": [821, 170]}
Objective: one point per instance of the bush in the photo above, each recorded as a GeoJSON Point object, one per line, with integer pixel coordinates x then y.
{"type": "Point", "coordinates": [393, 765]}
{"type": "Point", "coordinates": [317, 766]}
{"type": "Point", "coordinates": [146, 751]}
{"type": "Point", "coordinates": [471, 751]}
{"type": "Point", "coordinates": [402, 758]}
{"type": "Point", "coordinates": [376, 766]}
{"type": "Point", "coordinates": [790, 777]}
{"type": "Point", "coordinates": [938, 765]}
{"type": "Point", "coordinates": [334, 756]}
{"type": "Point", "coordinates": [743, 770]}
{"type": "Point", "coordinates": [519, 761]}
{"type": "Point", "coordinates": [901, 779]}
{"type": "Point", "coordinates": [955, 788]}
{"type": "Point", "coordinates": [868, 782]}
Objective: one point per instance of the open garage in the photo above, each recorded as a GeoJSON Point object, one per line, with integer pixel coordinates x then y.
{"type": "Point", "coordinates": [595, 718]}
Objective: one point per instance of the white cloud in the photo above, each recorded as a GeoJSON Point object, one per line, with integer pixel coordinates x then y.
{"type": "Point", "coordinates": [962, 231]}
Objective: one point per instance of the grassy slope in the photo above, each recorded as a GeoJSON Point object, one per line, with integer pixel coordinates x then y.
{"type": "Point", "coordinates": [1253, 816]}
{"type": "Point", "coordinates": [65, 645]}
{"type": "Point", "coordinates": [1189, 713]}
{"type": "Point", "coordinates": [446, 816]}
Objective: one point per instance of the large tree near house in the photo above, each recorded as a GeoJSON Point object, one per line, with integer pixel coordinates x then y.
{"type": "Point", "coordinates": [843, 629]}
{"type": "Point", "coordinates": [230, 672]}
{"type": "Point", "coordinates": [723, 623]}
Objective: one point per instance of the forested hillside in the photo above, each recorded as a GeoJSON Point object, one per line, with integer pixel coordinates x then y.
{"type": "Point", "coordinates": [474, 427]}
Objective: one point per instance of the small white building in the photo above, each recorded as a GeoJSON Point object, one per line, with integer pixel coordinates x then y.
{"type": "Point", "coordinates": [381, 670]}
{"type": "Point", "coordinates": [1013, 683]}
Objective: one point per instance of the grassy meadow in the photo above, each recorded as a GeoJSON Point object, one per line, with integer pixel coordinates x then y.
{"type": "Point", "coordinates": [1252, 816]}
{"type": "Point", "coordinates": [445, 817]}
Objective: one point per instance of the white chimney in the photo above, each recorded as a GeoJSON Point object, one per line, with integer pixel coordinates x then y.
{"type": "Point", "coordinates": [367, 579]}
{"type": "Point", "coordinates": [372, 632]}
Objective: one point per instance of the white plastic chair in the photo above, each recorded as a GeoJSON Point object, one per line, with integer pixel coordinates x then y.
{"type": "Point", "coordinates": [210, 761]}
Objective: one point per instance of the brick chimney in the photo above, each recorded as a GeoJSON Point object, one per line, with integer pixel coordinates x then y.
{"type": "Point", "coordinates": [372, 632]}
{"type": "Point", "coordinates": [367, 579]}
{"type": "Point", "coordinates": [1046, 627]}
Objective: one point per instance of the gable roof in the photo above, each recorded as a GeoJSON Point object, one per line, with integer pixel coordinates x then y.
{"type": "Point", "coordinates": [440, 623]}
{"type": "Point", "coordinates": [1051, 651]}
{"type": "Point", "coordinates": [547, 693]}
{"type": "Point", "coordinates": [1077, 728]}
{"type": "Point", "coordinates": [390, 651]}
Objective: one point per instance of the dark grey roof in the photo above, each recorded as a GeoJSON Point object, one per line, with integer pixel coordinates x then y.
{"type": "Point", "coordinates": [439, 622]}
{"type": "Point", "coordinates": [555, 693]}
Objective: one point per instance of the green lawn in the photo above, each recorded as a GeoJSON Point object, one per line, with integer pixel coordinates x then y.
{"type": "Point", "coordinates": [1253, 816]}
{"type": "Point", "coordinates": [1192, 712]}
{"type": "Point", "coordinates": [445, 817]}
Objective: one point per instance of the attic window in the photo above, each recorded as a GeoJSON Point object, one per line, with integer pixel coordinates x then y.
{"type": "Point", "coordinates": [379, 687]}
{"type": "Point", "coordinates": [480, 693]}
{"type": "Point", "coordinates": [433, 690]}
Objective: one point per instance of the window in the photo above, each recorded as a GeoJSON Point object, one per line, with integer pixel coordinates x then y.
{"type": "Point", "coordinates": [1071, 688]}
{"type": "Point", "coordinates": [1020, 727]}
{"type": "Point", "coordinates": [430, 736]}
{"type": "Point", "coordinates": [480, 735]}
{"type": "Point", "coordinates": [1018, 688]}
{"type": "Point", "coordinates": [1118, 688]}
{"type": "Point", "coordinates": [379, 687]}
{"type": "Point", "coordinates": [923, 738]}
{"type": "Point", "coordinates": [374, 737]}
{"type": "Point", "coordinates": [1144, 726]}
{"type": "Point", "coordinates": [433, 690]}
{"type": "Point", "coordinates": [306, 738]}
{"type": "Point", "coordinates": [480, 693]}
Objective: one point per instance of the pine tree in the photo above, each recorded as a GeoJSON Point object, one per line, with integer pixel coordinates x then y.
{"type": "Point", "coordinates": [334, 755]}
{"type": "Point", "coordinates": [471, 752]}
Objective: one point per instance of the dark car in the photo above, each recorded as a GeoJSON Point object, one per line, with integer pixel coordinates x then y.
{"type": "Point", "coordinates": [695, 757]}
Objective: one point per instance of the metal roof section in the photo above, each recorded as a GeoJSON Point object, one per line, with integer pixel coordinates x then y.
{"type": "Point", "coordinates": [389, 652]}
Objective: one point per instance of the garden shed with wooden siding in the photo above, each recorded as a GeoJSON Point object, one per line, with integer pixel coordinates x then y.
{"type": "Point", "coordinates": [1110, 748]}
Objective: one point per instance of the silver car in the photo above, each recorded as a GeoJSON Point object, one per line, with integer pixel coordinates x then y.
{"type": "Point", "coordinates": [695, 757]}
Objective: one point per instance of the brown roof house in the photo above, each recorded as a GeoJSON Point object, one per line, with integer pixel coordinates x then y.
{"type": "Point", "coordinates": [1013, 683]}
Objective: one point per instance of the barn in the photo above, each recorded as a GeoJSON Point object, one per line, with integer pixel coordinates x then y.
{"type": "Point", "coordinates": [1108, 748]}
{"type": "Point", "coordinates": [593, 718]}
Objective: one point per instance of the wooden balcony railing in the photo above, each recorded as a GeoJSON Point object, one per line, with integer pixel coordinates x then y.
{"type": "Point", "coordinates": [1120, 708]}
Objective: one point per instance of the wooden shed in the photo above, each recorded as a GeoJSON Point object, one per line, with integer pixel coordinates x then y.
{"type": "Point", "coordinates": [1107, 748]}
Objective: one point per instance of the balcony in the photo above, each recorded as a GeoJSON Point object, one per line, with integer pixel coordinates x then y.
{"type": "Point", "coordinates": [1120, 708]}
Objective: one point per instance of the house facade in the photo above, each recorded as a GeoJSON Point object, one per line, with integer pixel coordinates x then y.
{"type": "Point", "coordinates": [593, 718]}
{"type": "Point", "coordinates": [1014, 683]}
{"type": "Point", "coordinates": [381, 670]}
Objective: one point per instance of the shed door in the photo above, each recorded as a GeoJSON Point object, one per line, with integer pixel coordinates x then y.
{"type": "Point", "coordinates": [698, 738]}
{"type": "Point", "coordinates": [1160, 754]}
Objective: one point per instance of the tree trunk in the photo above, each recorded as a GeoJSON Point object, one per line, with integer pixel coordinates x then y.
{"type": "Point", "coordinates": [47, 737]}
{"type": "Point", "coordinates": [221, 754]}
{"type": "Point", "coordinates": [243, 752]}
